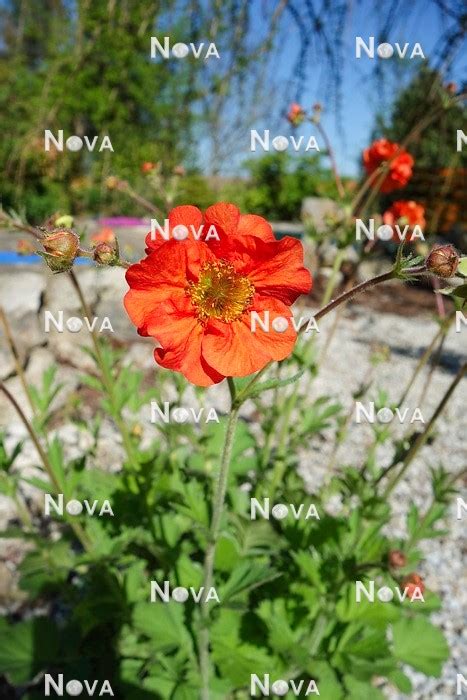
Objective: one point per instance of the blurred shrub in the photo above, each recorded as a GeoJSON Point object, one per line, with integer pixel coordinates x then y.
{"type": "Point", "coordinates": [277, 184]}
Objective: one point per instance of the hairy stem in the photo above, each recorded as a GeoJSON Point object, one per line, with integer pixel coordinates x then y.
{"type": "Point", "coordinates": [213, 537]}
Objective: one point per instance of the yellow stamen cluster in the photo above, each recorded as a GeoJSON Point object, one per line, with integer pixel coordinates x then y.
{"type": "Point", "coordinates": [220, 292]}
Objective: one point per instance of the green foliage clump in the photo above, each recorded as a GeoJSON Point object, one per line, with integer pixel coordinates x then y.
{"type": "Point", "coordinates": [277, 183]}
{"type": "Point", "coordinates": [287, 588]}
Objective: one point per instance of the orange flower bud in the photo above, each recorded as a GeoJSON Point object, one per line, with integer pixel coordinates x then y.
{"type": "Point", "coordinates": [61, 246]}
{"type": "Point", "coordinates": [443, 261]}
{"type": "Point", "coordinates": [296, 114]}
{"type": "Point", "coordinates": [397, 559]}
{"type": "Point", "coordinates": [61, 242]}
{"type": "Point", "coordinates": [106, 253]}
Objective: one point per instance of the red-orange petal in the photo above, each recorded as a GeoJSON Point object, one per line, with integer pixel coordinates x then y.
{"type": "Point", "coordinates": [179, 332]}
{"type": "Point", "coordinates": [276, 269]}
{"type": "Point", "coordinates": [224, 216]}
{"type": "Point", "coordinates": [233, 349]}
{"type": "Point", "coordinates": [186, 215]}
{"type": "Point", "coordinates": [163, 275]}
{"type": "Point", "coordinates": [254, 225]}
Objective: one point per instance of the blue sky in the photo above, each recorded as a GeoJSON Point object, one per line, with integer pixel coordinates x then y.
{"type": "Point", "coordinates": [362, 97]}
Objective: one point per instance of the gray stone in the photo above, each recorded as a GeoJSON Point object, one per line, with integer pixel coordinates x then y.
{"type": "Point", "coordinates": [316, 210]}
{"type": "Point", "coordinates": [22, 296]}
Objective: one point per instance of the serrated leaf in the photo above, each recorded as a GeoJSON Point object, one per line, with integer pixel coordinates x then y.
{"type": "Point", "coordinates": [281, 637]}
{"type": "Point", "coordinates": [246, 577]}
{"type": "Point", "coordinates": [163, 623]}
{"type": "Point", "coordinates": [27, 648]}
{"type": "Point", "coordinates": [327, 683]}
{"type": "Point", "coordinates": [237, 662]}
{"type": "Point", "coordinates": [419, 643]}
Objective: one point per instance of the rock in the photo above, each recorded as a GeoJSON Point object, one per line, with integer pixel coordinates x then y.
{"type": "Point", "coordinates": [28, 288]}
{"type": "Point", "coordinates": [61, 295]}
{"type": "Point", "coordinates": [315, 211]}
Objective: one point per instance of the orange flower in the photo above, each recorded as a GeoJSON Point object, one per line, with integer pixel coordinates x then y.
{"type": "Point", "coordinates": [405, 213]}
{"type": "Point", "coordinates": [147, 167]}
{"type": "Point", "coordinates": [196, 297]}
{"type": "Point", "coordinates": [296, 114]}
{"type": "Point", "coordinates": [105, 235]}
{"type": "Point", "coordinates": [413, 584]}
{"type": "Point", "coordinates": [400, 169]}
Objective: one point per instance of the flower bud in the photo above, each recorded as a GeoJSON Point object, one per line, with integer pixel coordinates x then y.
{"type": "Point", "coordinates": [413, 584]}
{"type": "Point", "coordinates": [397, 559]}
{"type": "Point", "coordinates": [296, 114]}
{"type": "Point", "coordinates": [106, 253]}
{"type": "Point", "coordinates": [63, 243]}
{"type": "Point", "coordinates": [62, 247]}
{"type": "Point", "coordinates": [111, 182]}
{"type": "Point", "coordinates": [443, 261]}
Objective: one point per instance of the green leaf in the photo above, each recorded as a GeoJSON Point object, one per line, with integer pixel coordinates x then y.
{"type": "Point", "coordinates": [237, 662]}
{"type": "Point", "coordinates": [460, 291]}
{"type": "Point", "coordinates": [281, 637]}
{"type": "Point", "coordinates": [374, 613]}
{"type": "Point", "coordinates": [422, 645]}
{"type": "Point", "coordinates": [195, 506]}
{"type": "Point", "coordinates": [359, 690]}
{"type": "Point", "coordinates": [190, 573]}
{"type": "Point", "coordinates": [226, 628]}
{"type": "Point", "coordinates": [401, 681]}
{"type": "Point", "coordinates": [462, 267]}
{"type": "Point", "coordinates": [316, 417]}
{"type": "Point", "coordinates": [163, 623]}
{"type": "Point", "coordinates": [46, 567]}
{"type": "Point", "coordinates": [227, 554]}
{"type": "Point", "coordinates": [246, 577]}
{"type": "Point", "coordinates": [45, 486]}
{"type": "Point", "coordinates": [27, 648]}
{"type": "Point", "coordinates": [258, 389]}
{"type": "Point", "coordinates": [328, 685]}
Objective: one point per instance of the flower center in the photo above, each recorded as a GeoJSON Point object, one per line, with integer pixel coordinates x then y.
{"type": "Point", "coordinates": [220, 292]}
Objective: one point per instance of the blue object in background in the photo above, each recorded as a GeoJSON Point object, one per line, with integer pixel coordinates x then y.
{"type": "Point", "coordinates": [11, 257]}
